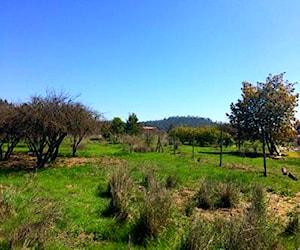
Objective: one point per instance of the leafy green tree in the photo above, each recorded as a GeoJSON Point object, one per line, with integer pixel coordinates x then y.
{"type": "Point", "coordinates": [266, 112]}
{"type": "Point", "coordinates": [117, 127]}
{"type": "Point", "coordinates": [132, 127]}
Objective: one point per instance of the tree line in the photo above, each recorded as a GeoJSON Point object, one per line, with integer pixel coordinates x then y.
{"type": "Point", "coordinates": [175, 121]}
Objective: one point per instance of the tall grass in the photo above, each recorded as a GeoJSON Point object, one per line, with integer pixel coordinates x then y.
{"type": "Point", "coordinates": [215, 194]}
{"type": "Point", "coordinates": [120, 187]}
{"type": "Point", "coordinates": [154, 214]}
{"type": "Point", "coordinates": [253, 231]}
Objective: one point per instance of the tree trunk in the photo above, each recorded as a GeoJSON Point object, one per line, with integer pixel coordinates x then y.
{"type": "Point", "coordinates": [221, 148]}
{"type": "Point", "coordinates": [264, 153]}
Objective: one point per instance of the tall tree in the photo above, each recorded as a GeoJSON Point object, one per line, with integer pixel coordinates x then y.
{"type": "Point", "coordinates": [133, 127]}
{"type": "Point", "coordinates": [266, 111]}
{"type": "Point", "coordinates": [117, 127]}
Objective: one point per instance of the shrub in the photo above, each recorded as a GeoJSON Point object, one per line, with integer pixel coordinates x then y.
{"type": "Point", "coordinates": [293, 226]}
{"type": "Point", "coordinates": [120, 186]}
{"type": "Point", "coordinates": [212, 195]}
{"type": "Point", "coordinates": [228, 195]}
{"type": "Point", "coordinates": [149, 180]}
{"type": "Point", "coordinates": [171, 181]}
{"type": "Point", "coordinates": [205, 196]}
{"type": "Point", "coordinates": [154, 215]}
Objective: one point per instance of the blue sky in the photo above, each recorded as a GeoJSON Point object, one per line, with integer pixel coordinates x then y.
{"type": "Point", "coordinates": [156, 58]}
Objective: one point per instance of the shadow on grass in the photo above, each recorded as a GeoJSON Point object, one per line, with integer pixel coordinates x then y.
{"type": "Point", "coordinates": [235, 153]}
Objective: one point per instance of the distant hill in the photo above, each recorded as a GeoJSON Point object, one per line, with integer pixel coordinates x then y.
{"type": "Point", "coordinates": [189, 121]}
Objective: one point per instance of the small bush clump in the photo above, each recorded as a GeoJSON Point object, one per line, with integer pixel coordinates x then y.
{"type": "Point", "coordinates": [154, 215]}
{"type": "Point", "coordinates": [120, 186]}
{"type": "Point", "coordinates": [172, 181]}
{"type": "Point", "coordinates": [213, 195]}
{"type": "Point", "coordinates": [228, 195]}
{"type": "Point", "coordinates": [206, 198]}
{"type": "Point", "coordinates": [293, 226]}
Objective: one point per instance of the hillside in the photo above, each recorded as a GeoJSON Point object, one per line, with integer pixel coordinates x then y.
{"type": "Point", "coordinates": [190, 121]}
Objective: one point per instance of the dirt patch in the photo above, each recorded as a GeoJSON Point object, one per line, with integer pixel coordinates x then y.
{"type": "Point", "coordinates": [70, 162]}
{"type": "Point", "coordinates": [278, 206]}
{"type": "Point", "coordinates": [20, 161]}
{"type": "Point", "coordinates": [112, 161]}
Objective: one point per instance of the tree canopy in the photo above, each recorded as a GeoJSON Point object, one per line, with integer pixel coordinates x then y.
{"type": "Point", "coordinates": [266, 111]}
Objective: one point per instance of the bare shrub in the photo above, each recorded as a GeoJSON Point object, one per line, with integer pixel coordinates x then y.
{"type": "Point", "coordinates": [120, 186]}
{"type": "Point", "coordinates": [155, 214]}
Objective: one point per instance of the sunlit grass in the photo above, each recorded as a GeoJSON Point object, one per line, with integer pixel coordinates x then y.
{"type": "Point", "coordinates": [75, 189]}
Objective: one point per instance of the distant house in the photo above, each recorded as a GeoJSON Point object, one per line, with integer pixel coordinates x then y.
{"type": "Point", "coordinates": [148, 128]}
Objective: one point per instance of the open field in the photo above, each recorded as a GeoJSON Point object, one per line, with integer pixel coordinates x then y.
{"type": "Point", "coordinates": [63, 206]}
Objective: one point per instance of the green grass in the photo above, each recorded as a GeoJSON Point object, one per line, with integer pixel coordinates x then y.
{"type": "Point", "coordinates": [74, 191]}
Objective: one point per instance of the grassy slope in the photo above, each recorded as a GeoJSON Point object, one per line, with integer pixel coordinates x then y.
{"type": "Point", "coordinates": [74, 189]}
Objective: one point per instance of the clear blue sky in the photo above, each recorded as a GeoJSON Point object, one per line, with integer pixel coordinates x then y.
{"type": "Point", "coordinates": [156, 58]}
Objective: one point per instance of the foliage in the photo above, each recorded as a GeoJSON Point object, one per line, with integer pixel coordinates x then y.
{"type": "Point", "coordinates": [176, 121]}
{"type": "Point", "coordinates": [201, 136]}
{"type": "Point", "coordinates": [117, 128]}
{"type": "Point", "coordinates": [266, 111]}
{"type": "Point", "coordinates": [132, 127]}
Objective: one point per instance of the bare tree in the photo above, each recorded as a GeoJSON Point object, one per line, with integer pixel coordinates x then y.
{"type": "Point", "coordinates": [11, 130]}
{"type": "Point", "coordinates": [82, 121]}
{"type": "Point", "coordinates": [45, 121]}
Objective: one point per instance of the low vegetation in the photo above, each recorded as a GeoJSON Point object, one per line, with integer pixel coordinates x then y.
{"type": "Point", "coordinates": [111, 199]}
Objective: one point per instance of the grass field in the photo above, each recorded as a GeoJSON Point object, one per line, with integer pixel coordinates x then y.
{"type": "Point", "coordinates": [62, 207]}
